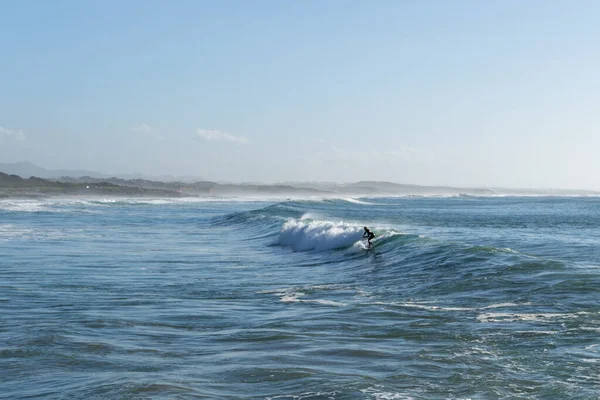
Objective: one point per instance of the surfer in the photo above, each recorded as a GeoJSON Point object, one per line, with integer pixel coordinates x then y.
{"type": "Point", "coordinates": [369, 235]}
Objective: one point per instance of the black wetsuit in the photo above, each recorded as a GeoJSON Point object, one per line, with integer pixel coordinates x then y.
{"type": "Point", "coordinates": [369, 235]}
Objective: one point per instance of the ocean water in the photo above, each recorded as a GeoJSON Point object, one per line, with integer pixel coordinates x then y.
{"type": "Point", "coordinates": [460, 298]}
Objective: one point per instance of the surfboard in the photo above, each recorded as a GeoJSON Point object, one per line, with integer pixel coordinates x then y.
{"type": "Point", "coordinates": [364, 245]}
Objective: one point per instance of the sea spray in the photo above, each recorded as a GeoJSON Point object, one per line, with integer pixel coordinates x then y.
{"type": "Point", "coordinates": [303, 235]}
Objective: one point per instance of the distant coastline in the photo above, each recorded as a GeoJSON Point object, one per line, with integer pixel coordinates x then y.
{"type": "Point", "coordinates": [15, 186]}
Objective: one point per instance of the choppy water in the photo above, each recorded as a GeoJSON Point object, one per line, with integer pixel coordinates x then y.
{"type": "Point", "coordinates": [461, 298]}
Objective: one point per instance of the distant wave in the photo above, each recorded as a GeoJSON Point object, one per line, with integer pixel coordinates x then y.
{"type": "Point", "coordinates": [70, 204]}
{"type": "Point", "coordinates": [24, 206]}
{"type": "Point", "coordinates": [357, 201]}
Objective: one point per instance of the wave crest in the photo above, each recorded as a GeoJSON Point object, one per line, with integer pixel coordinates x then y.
{"type": "Point", "coordinates": [304, 235]}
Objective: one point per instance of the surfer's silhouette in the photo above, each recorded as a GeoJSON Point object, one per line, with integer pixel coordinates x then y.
{"type": "Point", "coordinates": [369, 235]}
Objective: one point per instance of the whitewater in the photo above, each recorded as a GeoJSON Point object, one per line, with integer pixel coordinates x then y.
{"type": "Point", "coordinates": [279, 298]}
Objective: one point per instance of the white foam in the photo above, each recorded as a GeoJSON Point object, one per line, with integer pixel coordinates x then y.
{"type": "Point", "coordinates": [360, 245]}
{"type": "Point", "coordinates": [422, 306]}
{"type": "Point", "coordinates": [22, 205]}
{"type": "Point", "coordinates": [525, 317]}
{"type": "Point", "coordinates": [306, 395]}
{"type": "Point", "coordinates": [282, 291]}
{"type": "Point", "coordinates": [318, 235]}
{"type": "Point", "coordinates": [431, 307]}
{"type": "Point", "coordinates": [501, 305]}
{"type": "Point", "coordinates": [436, 308]}
{"type": "Point", "coordinates": [327, 302]}
{"type": "Point", "coordinates": [357, 201]}
{"type": "Point", "coordinates": [294, 297]}
{"type": "Point", "coordinates": [379, 394]}
{"type": "Point", "coordinates": [63, 204]}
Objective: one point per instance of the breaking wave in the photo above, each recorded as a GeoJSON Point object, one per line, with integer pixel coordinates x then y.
{"type": "Point", "coordinates": [304, 235]}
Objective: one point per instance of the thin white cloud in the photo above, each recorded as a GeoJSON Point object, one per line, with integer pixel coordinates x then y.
{"type": "Point", "coordinates": [218, 136]}
{"type": "Point", "coordinates": [12, 133]}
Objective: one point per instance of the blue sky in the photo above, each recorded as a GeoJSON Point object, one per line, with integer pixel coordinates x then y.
{"type": "Point", "coordinates": [471, 93]}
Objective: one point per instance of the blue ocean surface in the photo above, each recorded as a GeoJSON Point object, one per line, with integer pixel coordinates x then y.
{"type": "Point", "coordinates": [459, 298]}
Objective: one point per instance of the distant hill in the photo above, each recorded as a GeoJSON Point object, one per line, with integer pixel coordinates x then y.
{"type": "Point", "coordinates": [14, 186]}
{"type": "Point", "coordinates": [26, 169]}
{"type": "Point", "coordinates": [16, 181]}
{"type": "Point", "coordinates": [202, 188]}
